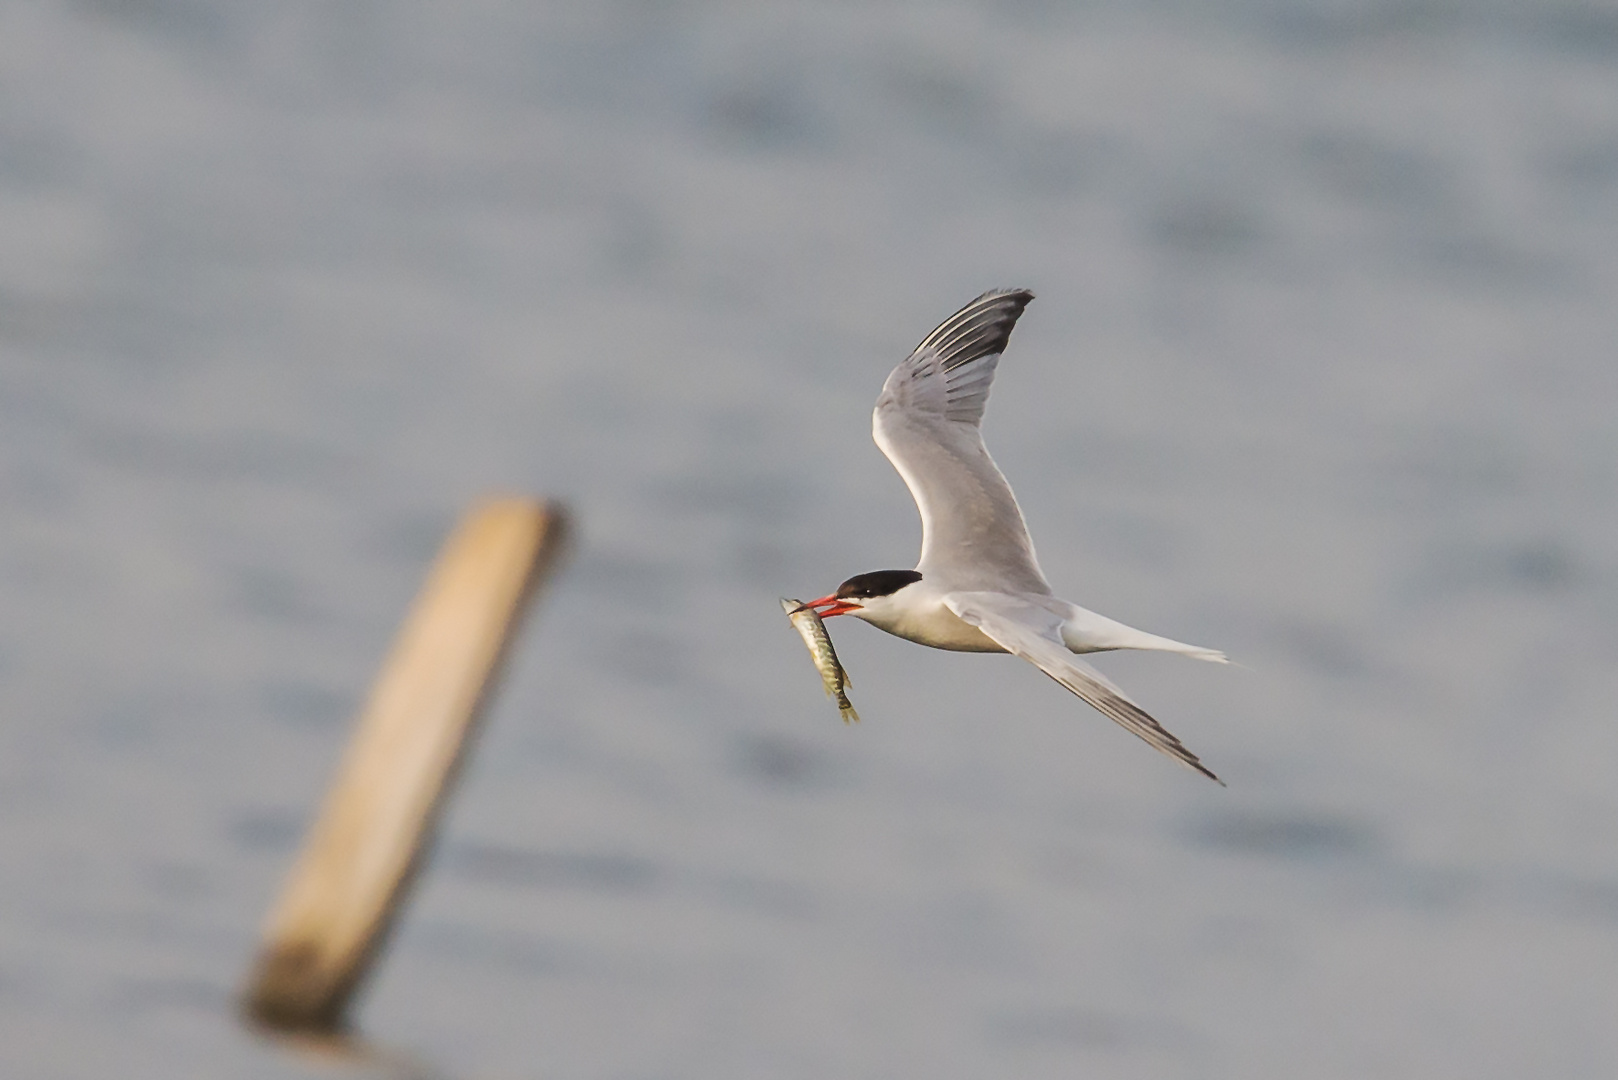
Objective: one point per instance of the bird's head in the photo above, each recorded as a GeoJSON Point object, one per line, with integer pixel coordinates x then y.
{"type": "Point", "coordinates": [863, 594]}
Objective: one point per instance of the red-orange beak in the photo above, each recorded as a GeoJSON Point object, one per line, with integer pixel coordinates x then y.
{"type": "Point", "coordinates": [832, 604]}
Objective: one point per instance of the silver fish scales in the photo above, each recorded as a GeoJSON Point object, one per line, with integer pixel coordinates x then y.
{"type": "Point", "coordinates": [813, 631]}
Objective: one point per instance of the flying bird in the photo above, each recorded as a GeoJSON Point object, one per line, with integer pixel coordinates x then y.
{"type": "Point", "coordinates": [978, 586]}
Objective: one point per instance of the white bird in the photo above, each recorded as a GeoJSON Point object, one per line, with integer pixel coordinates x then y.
{"type": "Point", "coordinates": [978, 586]}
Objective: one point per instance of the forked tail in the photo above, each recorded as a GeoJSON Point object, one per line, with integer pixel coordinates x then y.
{"type": "Point", "coordinates": [1085, 632]}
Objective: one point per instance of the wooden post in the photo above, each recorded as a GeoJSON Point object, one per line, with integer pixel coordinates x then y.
{"type": "Point", "coordinates": [377, 822]}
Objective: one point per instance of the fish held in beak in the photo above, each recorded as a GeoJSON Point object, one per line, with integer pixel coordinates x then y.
{"type": "Point", "coordinates": [827, 606]}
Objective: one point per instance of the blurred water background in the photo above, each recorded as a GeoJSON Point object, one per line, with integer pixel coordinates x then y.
{"type": "Point", "coordinates": [1321, 373]}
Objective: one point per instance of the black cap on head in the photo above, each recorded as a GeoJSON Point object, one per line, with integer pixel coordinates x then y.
{"type": "Point", "coordinates": [876, 583]}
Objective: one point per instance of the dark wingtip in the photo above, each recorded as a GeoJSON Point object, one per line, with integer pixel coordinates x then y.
{"type": "Point", "coordinates": [981, 328]}
{"type": "Point", "coordinates": [1186, 757]}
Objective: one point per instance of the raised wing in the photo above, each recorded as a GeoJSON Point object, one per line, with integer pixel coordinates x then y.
{"type": "Point", "coordinates": [926, 422]}
{"type": "Point", "coordinates": [1032, 630]}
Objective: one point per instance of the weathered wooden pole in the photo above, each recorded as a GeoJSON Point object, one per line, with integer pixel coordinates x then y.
{"type": "Point", "coordinates": [377, 822]}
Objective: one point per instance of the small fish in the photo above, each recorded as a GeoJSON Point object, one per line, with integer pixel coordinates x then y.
{"type": "Point", "coordinates": [831, 671]}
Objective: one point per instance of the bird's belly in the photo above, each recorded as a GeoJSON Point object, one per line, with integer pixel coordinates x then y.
{"type": "Point", "coordinates": [939, 628]}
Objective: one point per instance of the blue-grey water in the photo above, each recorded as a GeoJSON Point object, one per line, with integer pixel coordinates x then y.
{"type": "Point", "coordinates": [1323, 372]}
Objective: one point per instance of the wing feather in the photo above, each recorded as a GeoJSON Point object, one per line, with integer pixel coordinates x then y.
{"type": "Point", "coordinates": [927, 423]}
{"type": "Point", "coordinates": [1030, 629]}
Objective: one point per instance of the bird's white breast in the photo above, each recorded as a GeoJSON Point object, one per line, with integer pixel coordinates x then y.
{"type": "Point", "coordinates": [921, 616]}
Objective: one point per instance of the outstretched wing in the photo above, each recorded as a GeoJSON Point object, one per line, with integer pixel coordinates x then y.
{"type": "Point", "coordinates": [926, 422]}
{"type": "Point", "coordinates": [1029, 629]}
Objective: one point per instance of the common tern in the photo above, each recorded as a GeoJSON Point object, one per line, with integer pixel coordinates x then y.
{"type": "Point", "coordinates": [978, 586]}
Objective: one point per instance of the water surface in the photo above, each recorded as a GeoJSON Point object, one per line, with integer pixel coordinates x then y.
{"type": "Point", "coordinates": [1320, 373]}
